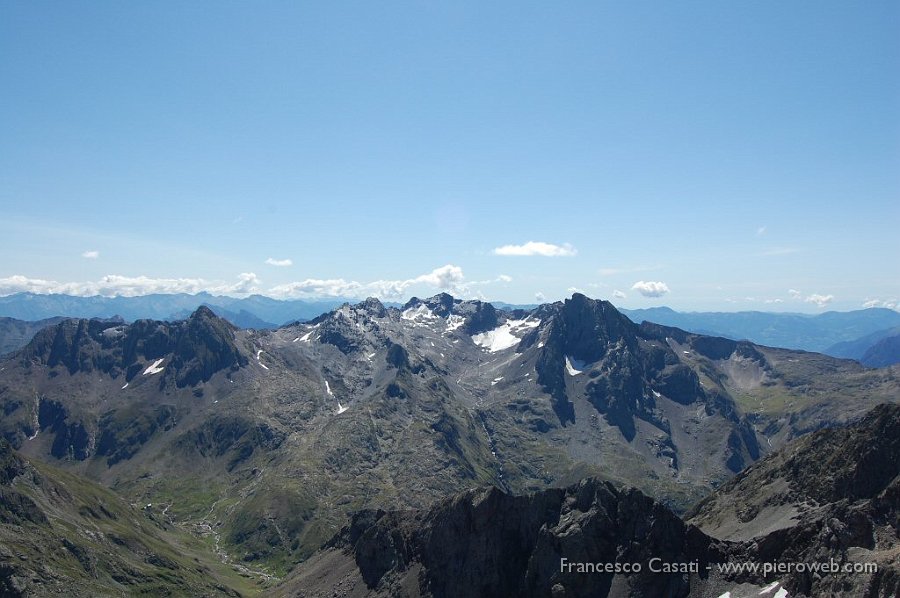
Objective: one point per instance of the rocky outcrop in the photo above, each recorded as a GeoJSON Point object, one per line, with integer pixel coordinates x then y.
{"type": "Point", "coordinates": [488, 543]}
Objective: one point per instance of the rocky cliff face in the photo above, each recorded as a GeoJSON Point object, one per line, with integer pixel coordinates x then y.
{"type": "Point", "coordinates": [487, 543]}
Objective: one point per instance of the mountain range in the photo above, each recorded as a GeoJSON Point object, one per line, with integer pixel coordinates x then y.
{"type": "Point", "coordinates": [824, 333]}
{"type": "Point", "coordinates": [255, 311]}
{"type": "Point", "coordinates": [263, 444]}
{"type": "Point", "coordinates": [839, 334]}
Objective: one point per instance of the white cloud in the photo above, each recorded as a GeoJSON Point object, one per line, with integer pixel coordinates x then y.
{"type": "Point", "coordinates": [774, 301]}
{"type": "Point", "coordinates": [280, 263]}
{"type": "Point", "coordinates": [816, 298]}
{"type": "Point", "coordinates": [504, 278]}
{"type": "Point", "coordinates": [317, 287]}
{"type": "Point", "coordinates": [114, 285]}
{"type": "Point", "coordinates": [619, 294]}
{"type": "Point", "coordinates": [91, 255]}
{"type": "Point", "coordinates": [575, 290]}
{"type": "Point", "coordinates": [539, 297]}
{"type": "Point", "coordinates": [889, 303]}
{"type": "Point", "coordinates": [537, 248]}
{"type": "Point", "coordinates": [760, 231]}
{"type": "Point", "coordinates": [819, 300]}
{"type": "Point", "coordinates": [650, 288]}
{"type": "Point", "coordinates": [446, 278]}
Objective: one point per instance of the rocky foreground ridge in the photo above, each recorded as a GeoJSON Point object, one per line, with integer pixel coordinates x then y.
{"type": "Point", "coordinates": [488, 543]}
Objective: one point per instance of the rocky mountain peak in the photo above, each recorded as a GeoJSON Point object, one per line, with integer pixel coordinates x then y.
{"type": "Point", "coordinates": [374, 307]}
{"type": "Point", "coordinates": [442, 304]}
{"type": "Point", "coordinates": [204, 345]}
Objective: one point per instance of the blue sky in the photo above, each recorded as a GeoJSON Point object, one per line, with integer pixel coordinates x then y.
{"type": "Point", "coordinates": [702, 155]}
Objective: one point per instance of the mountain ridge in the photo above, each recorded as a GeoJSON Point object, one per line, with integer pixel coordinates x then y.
{"type": "Point", "coordinates": [272, 437]}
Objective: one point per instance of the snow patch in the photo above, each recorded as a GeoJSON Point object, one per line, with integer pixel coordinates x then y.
{"type": "Point", "coordinates": [263, 366]}
{"type": "Point", "coordinates": [574, 366]}
{"type": "Point", "coordinates": [258, 354]}
{"type": "Point", "coordinates": [770, 588]}
{"type": "Point", "coordinates": [154, 368]}
{"type": "Point", "coordinates": [781, 593]}
{"type": "Point", "coordinates": [126, 386]}
{"type": "Point", "coordinates": [328, 389]}
{"type": "Point", "coordinates": [496, 380]}
{"type": "Point", "coordinates": [341, 408]}
{"type": "Point", "coordinates": [454, 321]}
{"type": "Point", "coordinates": [33, 436]}
{"type": "Point", "coordinates": [418, 315]}
{"type": "Point", "coordinates": [656, 394]}
{"type": "Point", "coordinates": [305, 337]}
{"type": "Point", "coordinates": [502, 337]}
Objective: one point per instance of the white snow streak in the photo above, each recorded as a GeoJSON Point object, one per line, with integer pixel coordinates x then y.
{"type": "Point", "coordinates": [154, 369]}
{"type": "Point", "coordinates": [341, 408]}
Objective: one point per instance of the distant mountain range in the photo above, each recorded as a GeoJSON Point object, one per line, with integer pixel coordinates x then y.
{"type": "Point", "coordinates": [839, 334]}
{"type": "Point", "coordinates": [254, 311]}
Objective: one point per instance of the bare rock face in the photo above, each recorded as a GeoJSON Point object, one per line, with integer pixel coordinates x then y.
{"type": "Point", "coordinates": [488, 543]}
{"type": "Point", "coordinates": [204, 346]}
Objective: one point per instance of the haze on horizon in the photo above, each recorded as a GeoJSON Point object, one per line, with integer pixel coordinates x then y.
{"type": "Point", "coordinates": [706, 157]}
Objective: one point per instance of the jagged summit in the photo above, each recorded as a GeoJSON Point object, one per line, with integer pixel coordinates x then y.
{"type": "Point", "coordinates": [204, 345]}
